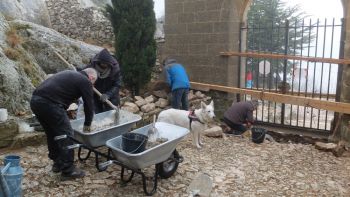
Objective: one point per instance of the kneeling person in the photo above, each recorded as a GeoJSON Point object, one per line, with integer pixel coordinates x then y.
{"type": "Point", "coordinates": [239, 117]}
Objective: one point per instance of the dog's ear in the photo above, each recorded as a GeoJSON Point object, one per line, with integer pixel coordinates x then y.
{"type": "Point", "coordinates": [203, 105]}
{"type": "Point", "coordinates": [212, 103]}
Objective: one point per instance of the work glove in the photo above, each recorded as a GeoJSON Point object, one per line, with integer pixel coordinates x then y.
{"type": "Point", "coordinates": [104, 97]}
{"type": "Point", "coordinates": [86, 129]}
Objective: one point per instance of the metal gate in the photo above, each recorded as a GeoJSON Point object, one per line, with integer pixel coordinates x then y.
{"type": "Point", "coordinates": [307, 38]}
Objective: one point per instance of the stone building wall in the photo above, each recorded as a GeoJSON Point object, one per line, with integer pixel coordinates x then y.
{"type": "Point", "coordinates": [197, 31]}
{"type": "Point", "coordinates": [85, 24]}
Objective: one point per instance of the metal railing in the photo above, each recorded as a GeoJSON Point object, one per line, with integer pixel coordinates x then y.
{"type": "Point", "coordinates": [321, 39]}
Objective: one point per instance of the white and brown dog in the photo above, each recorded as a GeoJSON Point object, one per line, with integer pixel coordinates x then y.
{"type": "Point", "coordinates": [196, 121]}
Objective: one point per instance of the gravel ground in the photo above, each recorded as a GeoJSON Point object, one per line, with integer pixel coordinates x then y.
{"type": "Point", "coordinates": [237, 167]}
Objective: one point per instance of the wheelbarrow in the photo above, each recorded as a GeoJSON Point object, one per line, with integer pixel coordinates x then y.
{"type": "Point", "coordinates": [97, 138]}
{"type": "Point", "coordinates": [164, 155]}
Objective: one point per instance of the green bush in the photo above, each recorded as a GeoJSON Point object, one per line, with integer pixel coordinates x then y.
{"type": "Point", "coordinates": [134, 25]}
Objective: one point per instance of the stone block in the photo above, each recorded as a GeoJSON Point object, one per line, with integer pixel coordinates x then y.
{"type": "Point", "coordinates": [172, 18]}
{"type": "Point", "coordinates": [150, 99]}
{"type": "Point", "coordinates": [200, 27]}
{"type": "Point", "coordinates": [215, 131]}
{"type": "Point", "coordinates": [149, 107]}
{"type": "Point", "coordinates": [176, 7]}
{"type": "Point", "coordinates": [198, 48]}
{"type": "Point", "coordinates": [193, 39]}
{"type": "Point", "coordinates": [208, 16]}
{"type": "Point", "coordinates": [182, 49]}
{"type": "Point", "coordinates": [8, 130]}
{"type": "Point", "coordinates": [221, 27]}
{"type": "Point", "coordinates": [29, 139]}
{"type": "Point", "coordinates": [214, 5]}
{"type": "Point", "coordinates": [162, 103]}
{"type": "Point", "coordinates": [186, 18]}
{"type": "Point", "coordinates": [175, 29]}
{"type": "Point", "coordinates": [217, 48]}
{"type": "Point", "coordinates": [194, 6]}
{"type": "Point", "coordinates": [216, 38]}
{"type": "Point", "coordinates": [131, 107]}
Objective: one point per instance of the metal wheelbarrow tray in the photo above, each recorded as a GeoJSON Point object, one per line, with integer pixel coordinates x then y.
{"type": "Point", "coordinates": [164, 156]}
{"type": "Point", "coordinates": [98, 138]}
{"type": "Point", "coordinates": [91, 141]}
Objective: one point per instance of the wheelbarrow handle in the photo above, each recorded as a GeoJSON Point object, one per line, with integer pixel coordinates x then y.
{"type": "Point", "coordinates": [107, 101]}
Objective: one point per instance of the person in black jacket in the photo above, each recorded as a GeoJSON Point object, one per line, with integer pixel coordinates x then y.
{"type": "Point", "coordinates": [49, 103]}
{"type": "Point", "coordinates": [108, 82]}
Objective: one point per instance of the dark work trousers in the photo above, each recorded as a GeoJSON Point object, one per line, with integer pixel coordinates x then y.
{"type": "Point", "coordinates": [238, 129]}
{"type": "Point", "coordinates": [53, 118]}
{"type": "Point", "coordinates": [100, 106]}
{"type": "Point", "coordinates": [179, 98]}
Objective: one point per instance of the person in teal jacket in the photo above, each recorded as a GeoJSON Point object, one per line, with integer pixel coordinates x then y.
{"type": "Point", "coordinates": [177, 78]}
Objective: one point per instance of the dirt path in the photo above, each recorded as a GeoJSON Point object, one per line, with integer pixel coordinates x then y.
{"type": "Point", "coordinates": [236, 166]}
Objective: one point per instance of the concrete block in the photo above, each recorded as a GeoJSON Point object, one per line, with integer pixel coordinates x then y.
{"type": "Point", "coordinates": [194, 6]}
{"type": "Point", "coordinates": [198, 49]}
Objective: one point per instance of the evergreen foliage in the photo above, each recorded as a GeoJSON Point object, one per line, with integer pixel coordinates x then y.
{"type": "Point", "coordinates": [267, 25]}
{"type": "Point", "coordinates": [134, 25]}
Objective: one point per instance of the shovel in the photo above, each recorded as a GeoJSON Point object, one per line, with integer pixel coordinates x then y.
{"type": "Point", "coordinates": [95, 90]}
{"type": "Point", "coordinates": [110, 104]}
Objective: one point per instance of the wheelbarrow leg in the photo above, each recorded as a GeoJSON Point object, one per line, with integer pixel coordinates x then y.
{"type": "Point", "coordinates": [79, 154]}
{"type": "Point", "coordinates": [155, 182]}
{"type": "Point", "coordinates": [122, 176]}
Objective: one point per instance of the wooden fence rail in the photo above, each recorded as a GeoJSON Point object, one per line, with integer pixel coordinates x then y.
{"type": "Point", "coordinates": [279, 98]}
{"type": "Point", "coordinates": [291, 57]}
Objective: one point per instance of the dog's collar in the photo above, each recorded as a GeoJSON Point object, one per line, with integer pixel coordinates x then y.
{"type": "Point", "coordinates": [193, 117]}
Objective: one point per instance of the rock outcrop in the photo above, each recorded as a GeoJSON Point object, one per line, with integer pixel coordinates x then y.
{"type": "Point", "coordinates": [29, 10]}
{"type": "Point", "coordinates": [27, 54]}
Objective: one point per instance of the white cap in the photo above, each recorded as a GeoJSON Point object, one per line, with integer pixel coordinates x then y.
{"type": "Point", "coordinates": [72, 107]}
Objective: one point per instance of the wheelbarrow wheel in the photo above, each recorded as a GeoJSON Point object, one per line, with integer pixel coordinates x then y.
{"type": "Point", "coordinates": [167, 168]}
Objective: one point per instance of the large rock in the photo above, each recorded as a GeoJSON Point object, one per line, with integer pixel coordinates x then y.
{"type": "Point", "coordinates": [43, 42]}
{"type": "Point", "coordinates": [33, 45]}
{"type": "Point", "coordinates": [17, 75]}
{"type": "Point", "coordinates": [28, 139]}
{"type": "Point", "coordinates": [8, 130]}
{"type": "Point", "coordinates": [325, 146]}
{"type": "Point", "coordinates": [215, 131]}
{"type": "Point", "coordinates": [131, 107]}
{"type": "Point", "coordinates": [162, 103]}
{"type": "Point", "coordinates": [29, 10]}
{"type": "Point", "coordinates": [149, 107]}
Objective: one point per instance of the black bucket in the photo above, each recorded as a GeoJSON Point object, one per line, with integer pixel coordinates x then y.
{"type": "Point", "coordinates": [258, 135]}
{"type": "Point", "coordinates": [134, 142]}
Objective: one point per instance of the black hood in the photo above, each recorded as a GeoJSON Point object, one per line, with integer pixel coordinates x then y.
{"type": "Point", "coordinates": [105, 57]}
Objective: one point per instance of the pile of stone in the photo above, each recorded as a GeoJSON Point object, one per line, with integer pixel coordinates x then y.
{"type": "Point", "coordinates": [147, 106]}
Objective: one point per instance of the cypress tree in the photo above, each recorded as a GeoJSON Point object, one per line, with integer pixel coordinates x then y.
{"type": "Point", "coordinates": [134, 25]}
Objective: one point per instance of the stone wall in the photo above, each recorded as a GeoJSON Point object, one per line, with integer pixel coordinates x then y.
{"type": "Point", "coordinates": [197, 31]}
{"type": "Point", "coordinates": [87, 24]}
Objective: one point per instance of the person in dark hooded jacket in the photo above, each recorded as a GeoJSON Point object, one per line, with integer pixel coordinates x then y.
{"type": "Point", "coordinates": [108, 82]}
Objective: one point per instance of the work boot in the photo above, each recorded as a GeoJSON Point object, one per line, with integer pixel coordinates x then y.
{"type": "Point", "coordinates": [56, 168]}
{"type": "Point", "coordinates": [73, 174]}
